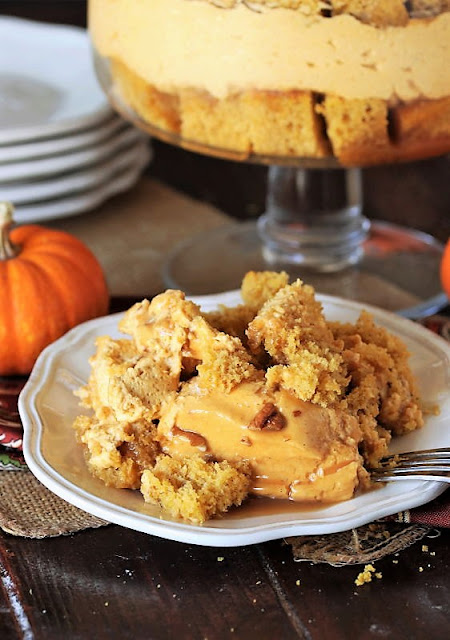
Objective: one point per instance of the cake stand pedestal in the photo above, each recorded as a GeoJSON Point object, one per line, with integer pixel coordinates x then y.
{"type": "Point", "coordinates": [314, 229]}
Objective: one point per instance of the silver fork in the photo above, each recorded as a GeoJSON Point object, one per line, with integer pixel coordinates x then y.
{"type": "Point", "coordinates": [431, 464]}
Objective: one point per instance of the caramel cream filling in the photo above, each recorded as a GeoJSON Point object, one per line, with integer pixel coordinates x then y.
{"type": "Point", "coordinates": [297, 450]}
{"type": "Point", "coordinates": [175, 44]}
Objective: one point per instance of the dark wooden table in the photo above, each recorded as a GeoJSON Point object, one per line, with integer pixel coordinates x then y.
{"type": "Point", "coordinates": [116, 583]}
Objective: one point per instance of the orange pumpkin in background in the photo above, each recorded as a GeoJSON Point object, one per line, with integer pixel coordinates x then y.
{"type": "Point", "coordinates": [49, 282]}
{"type": "Point", "coordinates": [445, 269]}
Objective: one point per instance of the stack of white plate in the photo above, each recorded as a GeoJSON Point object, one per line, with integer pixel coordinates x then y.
{"type": "Point", "coordinates": [63, 151]}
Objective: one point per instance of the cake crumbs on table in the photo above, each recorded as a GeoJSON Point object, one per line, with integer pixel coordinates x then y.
{"type": "Point", "coordinates": [367, 574]}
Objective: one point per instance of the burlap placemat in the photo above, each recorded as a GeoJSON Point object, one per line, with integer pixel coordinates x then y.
{"type": "Point", "coordinates": [30, 510]}
{"type": "Point", "coordinates": [357, 546]}
{"type": "Point", "coordinates": [131, 234]}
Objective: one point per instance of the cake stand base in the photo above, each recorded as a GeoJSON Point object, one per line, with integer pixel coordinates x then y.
{"type": "Point", "coordinates": [398, 270]}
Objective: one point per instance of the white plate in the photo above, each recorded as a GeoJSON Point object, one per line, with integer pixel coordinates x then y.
{"type": "Point", "coordinates": [47, 81]}
{"type": "Point", "coordinates": [56, 187]}
{"type": "Point", "coordinates": [86, 200]}
{"type": "Point", "coordinates": [56, 165]}
{"type": "Point", "coordinates": [47, 408]}
{"type": "Point", "coordinates": [62, 144]}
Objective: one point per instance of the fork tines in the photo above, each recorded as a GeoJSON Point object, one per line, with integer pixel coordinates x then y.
{"type": "Point", "coordinates": [431, 464]}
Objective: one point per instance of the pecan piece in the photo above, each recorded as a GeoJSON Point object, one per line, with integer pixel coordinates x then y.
{"type": "Point", "coordinates": [194, 439]}
{"type": "Point", "coordinates": [268, 418]}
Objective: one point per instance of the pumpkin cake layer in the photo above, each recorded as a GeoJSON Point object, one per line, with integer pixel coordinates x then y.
{"type": "Point", "coordinates": [198, 410]}
{"type": "Point", "coordinates": [363, 81]}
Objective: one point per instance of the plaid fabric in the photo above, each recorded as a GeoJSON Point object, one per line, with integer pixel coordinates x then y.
{"type": "Point", "coordinates": [11, 457]}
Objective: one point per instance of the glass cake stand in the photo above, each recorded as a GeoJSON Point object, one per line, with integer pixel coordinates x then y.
{"type": "Point", "coordinates": [313, 228]}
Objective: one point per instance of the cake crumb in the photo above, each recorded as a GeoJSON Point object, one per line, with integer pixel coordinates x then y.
{"type": "Point", "coordinates": [425, 548]}
{"type": "Point", "coordinates": [420, 569]}
{"type": "Point", "coordinates": [367, 574]}
{"type": "Point", "coordinates": [220, 558]}
{"type": "Point", "coordinates": [297, 582]}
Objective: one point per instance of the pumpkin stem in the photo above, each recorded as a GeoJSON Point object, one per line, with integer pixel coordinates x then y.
{"type": "Point", "coordinates": [7, 248]}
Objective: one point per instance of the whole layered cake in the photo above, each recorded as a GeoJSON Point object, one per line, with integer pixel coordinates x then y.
{"type": "Point", "coordinates": [360, 81]}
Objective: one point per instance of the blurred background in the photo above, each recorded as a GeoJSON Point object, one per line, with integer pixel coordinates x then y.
{"type": "Point", "coordinates": [414, 194]}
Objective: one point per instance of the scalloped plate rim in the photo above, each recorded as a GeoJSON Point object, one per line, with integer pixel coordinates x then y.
{"type": "Point", "coordinates": [391, 498]}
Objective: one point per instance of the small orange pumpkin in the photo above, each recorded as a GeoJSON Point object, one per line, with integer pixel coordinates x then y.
{"type": "Point", "coordinates": [445, 269]}
{"type": "Point", "coordinates": [49, 282]}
